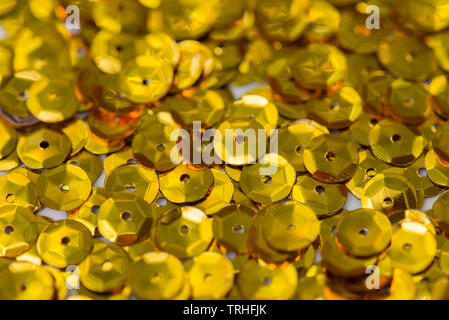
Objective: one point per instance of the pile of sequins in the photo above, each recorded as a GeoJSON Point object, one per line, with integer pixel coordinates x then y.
{"type": "Point", "coordinates": [357, 108]}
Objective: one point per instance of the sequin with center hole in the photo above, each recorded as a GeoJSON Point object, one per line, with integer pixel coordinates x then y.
{"type": "Point", "coordinates": [64, 243]}
{"type": "Point", "coordinates": [331, 158]}
{"type": "Point", "coordinates": [210, 268]}
{"type": "Point", "coordinates": [364, 232]}
{"type": "Point", "coordinates": [105, 269]}
{"type": "Point", "coordinates": [125, 218]}
{"type": "Point", "coordinates": [323, 198]}
{"type": "Point", "coordinates": [134, 179]}
{"type": "Point", "coordinates": [290, 226]}
{"type": "Point", "coordinates": [390, 192]}
{"type": "Point", "coordinates": [231, 226]}
{"type": "Point", "coordinates": [18, 189]}
{"type": "Point", "coordinates": [64, 188]}
{"type": "Point", "coordinates": [26, 281]}
{"type": "Point", "coordinates": [19, 230]}
{"type": "Point", "coordinates": [184, 232]}
{"type": "Point", "coordinates": [395, 143]}
{"type": "Point", "coordinates": [257, 281]}
{"type": "Point", "coordinates": [157, 276]}
{"type": "Point", "coordinates": [185, 184]}
{"type": "Point", "coordinates": [43, 148]}
{"type": "Point", "coordinates": [269, 187]}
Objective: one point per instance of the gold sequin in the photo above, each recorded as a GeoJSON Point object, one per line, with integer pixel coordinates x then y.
{"type": "Point", "coordinates": [185, 184]}
{"type": "Point", "coordinates": [364, 232]}
{"type": "Point", "coordinates": [64, 243]}
{"type": "Point", "coordinates": [413, 247]}
{"type": "Point", "coordinates": [231, 226]}
{"type": "Point", "coordinates": [184, 232]}
{"type": "Point", "coordinates": [25, 281]}
{"type": "Point", "coordinates": [64, 188]}
{"type": "Point", "coordinates": [390, 192]}
{"type": "Point", "coordinates": [19, 230]}
{"type": "Point", "coordinates": [290, 226]}
{"type": "Point", "coordinates": [43, 148]}
{"type": "Point", "coordinates": [324, 199]}
{"type": "Point", "coordinates": [331, 158]}
{"type": "Point", "coordinates": [105, 268]}
{"type": "Point", "coordinates": [124, 218]}
{"type": "Point", "coordinates": [258, 282]}
{"type": "Point", "coordinates": [52, 100]}
{"type": "Point", "coordinates": [146, 79]}
{"type": "Point", "coordinates": [338, 111]}
{"type": "Point", "coordinates": [18, 189]}
{"type": "Point", "coordinates": [134, 179]}
{"type": "Point", "coordinates": [269, 187]}
{"type": "Point", "coordinates": [9, 140]}
{"type": "Point", "coordinates": [395, 143]}
{"type": "Point", "coordinates": [152, 147]}
{"type": "Point", "coordinates": [157, 276]}
{"type": "Point", "coordinates": [210, 268]}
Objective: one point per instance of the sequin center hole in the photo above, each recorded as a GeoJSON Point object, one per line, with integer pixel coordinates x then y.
{"type": "Point", "coordinates": [320, 189]}
{"type": "Point", "coordinates": [126, 216]}
{"type": "Point", "coordinates": [9, 229]}
{"type": "Point", "coordinates": [330, 156]}
{"type": "Point", "coordinates": [238, 228]}
{"type": "Point", "coordinates": [363, 232]}
{"type": "Point", "coordinates": [184, 229]}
